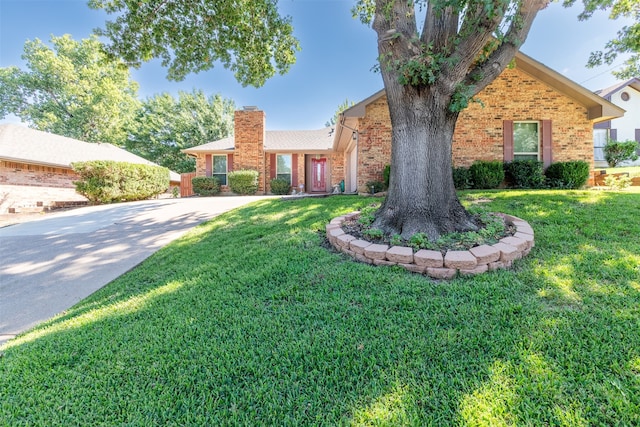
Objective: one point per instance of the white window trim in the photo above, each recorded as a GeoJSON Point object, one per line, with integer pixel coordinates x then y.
{"type": "Point", "coordinates": [526, 153]}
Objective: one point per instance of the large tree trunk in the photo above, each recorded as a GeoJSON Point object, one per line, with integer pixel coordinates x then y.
{"type": "Point", "coordinates": [428, 79]}
{"type": "Point", "coordinates": [421, 196]}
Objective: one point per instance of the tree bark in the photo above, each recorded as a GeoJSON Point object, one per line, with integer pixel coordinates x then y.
{"type": "Point", "coordinates": [428, 80]}
{"type": "Point", "coordinates": [421, 196]}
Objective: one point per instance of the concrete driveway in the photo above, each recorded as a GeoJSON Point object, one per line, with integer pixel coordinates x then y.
{"type": "Point", "coordinates": [51, 263]}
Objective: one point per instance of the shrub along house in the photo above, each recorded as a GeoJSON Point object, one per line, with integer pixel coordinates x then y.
{"type": "Point", "coordinates": [528, 112]}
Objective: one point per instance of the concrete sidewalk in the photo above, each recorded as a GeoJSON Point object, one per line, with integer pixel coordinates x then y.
{"type": "Point", "coordinates": [51, 263]}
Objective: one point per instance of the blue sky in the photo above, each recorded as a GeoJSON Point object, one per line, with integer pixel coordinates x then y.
{"type": "Point", "coordinates": [338, 53]}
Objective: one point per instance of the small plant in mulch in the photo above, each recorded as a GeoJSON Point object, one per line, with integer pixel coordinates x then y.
{"type": "Point", "coordinates": [493, 229]}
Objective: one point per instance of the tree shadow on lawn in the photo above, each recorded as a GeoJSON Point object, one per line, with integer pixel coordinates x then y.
{"type": "Point", "coordinates": [249, 323]}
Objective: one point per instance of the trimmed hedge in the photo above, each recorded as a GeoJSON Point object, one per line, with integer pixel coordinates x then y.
{"type": "Point", "coordinates": [487, 174]}
{"type": "Point", "coordinates": [616, 152]}
{"type": "Point", "coordinates": [462, 178]}
{"type": "Point", "coordinates": [205, 185]}
{"type": "Point", "coordinates": [105, 181]}
{"type": "Point", "coordinates": [243, 182]}
{"type": "Point", "coordinates": [280, 186]}
{"type": "Point", "coordinates": [571, 174]}
{"type": "Point", "coordinates": [525, 173]}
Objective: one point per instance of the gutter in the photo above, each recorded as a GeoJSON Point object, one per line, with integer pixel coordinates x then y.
{"type": "Point", "coordinates": [357, 138]}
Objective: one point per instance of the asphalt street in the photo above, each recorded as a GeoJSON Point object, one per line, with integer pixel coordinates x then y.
{"type": "Point", "coordinates": [49, 264]}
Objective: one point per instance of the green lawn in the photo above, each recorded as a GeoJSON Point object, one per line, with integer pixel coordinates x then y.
{"type": "Point", "coordinates": [248, 320]}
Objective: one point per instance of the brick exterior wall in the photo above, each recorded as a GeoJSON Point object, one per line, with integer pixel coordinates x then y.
{"type": "Point", "coordinates": [514, 95]}
{"type": "Point", "coordinates": [12, 173]}
{"type": "Point", "coordinates": [374, 143]}
{"type": "Point", "coordinates": [336, 169]}
{"type": "Point", "coordinates": [249, 143]}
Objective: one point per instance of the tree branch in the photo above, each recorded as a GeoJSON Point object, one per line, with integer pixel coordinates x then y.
{"type": "Point", "coordinates": [485, 72]}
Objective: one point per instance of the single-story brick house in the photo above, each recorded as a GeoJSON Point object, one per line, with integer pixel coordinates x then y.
{"type": "Point", "coordinates": [35, 166]}
{"type": "Point", "coordinates": [529, 111]}
{"type": "Point", "coordinates": [625, 95]}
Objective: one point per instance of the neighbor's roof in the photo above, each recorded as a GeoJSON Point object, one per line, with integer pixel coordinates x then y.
{"type": "Point", "coordinates": [225, 144]}
{"type": "Point", "coordinates": [290, 141]}
{"type": "Point", "coordinates": [606, 93]}
{"type": "Point", "coordinates": [26, 145]}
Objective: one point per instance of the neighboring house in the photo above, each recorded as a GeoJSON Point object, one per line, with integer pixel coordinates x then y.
{"type": "Point", "coordinates": [625, 95]}
{"type": "Point", "coordinates": [35, 166]}
{"type": "Point", "coordinates": [528, 112]}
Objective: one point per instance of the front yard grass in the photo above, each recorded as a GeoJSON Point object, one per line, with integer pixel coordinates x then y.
{"type": "Point", "coordinates": [248, 320]}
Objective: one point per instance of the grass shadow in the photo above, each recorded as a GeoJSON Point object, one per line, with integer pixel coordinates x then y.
{"type": "Point", "coordinates": [247, 320]}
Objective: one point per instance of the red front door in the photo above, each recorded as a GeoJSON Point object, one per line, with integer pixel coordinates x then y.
{"type": "Point", "coordinates": [318, 180]}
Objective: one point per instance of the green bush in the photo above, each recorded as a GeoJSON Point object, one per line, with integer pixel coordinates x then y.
{"type": "Point", "coordinates": [462, 178]}
{"type": "Point", "coordinates": [571, 174]}
{"type": "Point", "coordinates": [487, 174]}
{"type": "Point", "coordinates": [280, 186]}
{"type": "Point", "coordinates": [377, 186]}
{"type": "Point", "coordinates": [616, 152]}
{"type": "Point", "coordinates": [205, 185]}
{"type": "Point", "coordinates": [386, 175]}
{"type": "Point", "coordinates": [105, 181]}
{"type": "Point", "coordinates": [525, 173]}
{"type": "Point", "coordinates": [243, 181]}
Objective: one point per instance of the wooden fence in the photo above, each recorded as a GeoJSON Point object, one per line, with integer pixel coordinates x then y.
{"type": "Point", "coordinates": [600, 177]}
{"type": "Point", "coordinates": [186, 189]}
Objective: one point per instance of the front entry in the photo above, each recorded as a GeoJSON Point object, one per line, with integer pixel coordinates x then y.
{"type": "Point", "coordinates": [318, 181]}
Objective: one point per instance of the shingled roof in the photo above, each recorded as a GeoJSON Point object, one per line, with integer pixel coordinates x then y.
{"type": "Point", "coordinates": [26, 145]}
{"type": "Point", "coordinates": [290, 141]}
{"type": "Point", "coordinates": [306, 141]}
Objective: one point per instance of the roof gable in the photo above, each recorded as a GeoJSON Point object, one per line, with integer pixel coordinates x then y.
{"type": "Point", "coordinates": [606, 93]}
{"type": "Point", "coordinates": [599, 109]}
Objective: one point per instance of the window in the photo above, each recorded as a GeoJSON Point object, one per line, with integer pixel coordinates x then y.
{"type": "Point", "coordinates": [220, 168]}
{"type": "Point", "coordinates": [526, 141]}
{"type": "Point", "coordinates": [283, 167]}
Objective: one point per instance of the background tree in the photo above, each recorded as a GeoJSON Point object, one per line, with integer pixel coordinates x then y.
{"type": "Point", "coordinates": [249, 37]}
{"type": "Point", "coordinates": [346, 104]}
{"type": "Point", "coordinates": [165, 125]}
{"type": "Point", "coordinates": [70, 89]}
{"type": "Point", "coordinates": [628, 40]}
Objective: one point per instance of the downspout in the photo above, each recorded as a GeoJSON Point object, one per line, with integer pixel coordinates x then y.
{"type": "Point", "coordinates": [357, 135]}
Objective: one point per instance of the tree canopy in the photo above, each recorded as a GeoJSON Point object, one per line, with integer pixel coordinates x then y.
{"type": "Point", "coordinates": [249, 37]}
{"type": "Point", "coordinates": [165, 125]}
{"type": "Point", "coordinates": [70, 89]}
{"type": "Point", "coordinates": [628, 40]}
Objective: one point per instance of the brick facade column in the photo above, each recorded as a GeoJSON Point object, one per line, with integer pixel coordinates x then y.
{"type": "Point", "coordinates": [249, 142]}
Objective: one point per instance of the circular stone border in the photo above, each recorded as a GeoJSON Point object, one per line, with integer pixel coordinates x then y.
{"type": "Point", "coordinates": [476, 260]}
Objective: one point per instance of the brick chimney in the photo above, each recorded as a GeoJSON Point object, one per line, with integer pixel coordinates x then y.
{"type": "Point", "coordinates": [249, 142]}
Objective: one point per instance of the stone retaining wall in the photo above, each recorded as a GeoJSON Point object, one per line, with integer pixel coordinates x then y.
{"type": "Point", "coordinates": [476, 260]}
